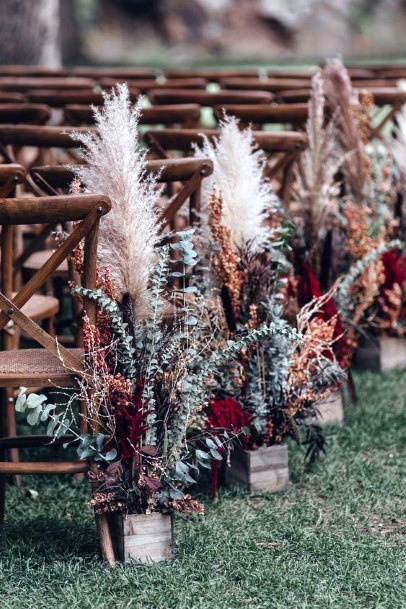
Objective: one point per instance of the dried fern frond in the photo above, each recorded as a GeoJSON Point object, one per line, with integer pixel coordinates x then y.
{"type": "Point", "coordinates": [115, 166]}
{"type": "Point", "coordinates": [239, 174]}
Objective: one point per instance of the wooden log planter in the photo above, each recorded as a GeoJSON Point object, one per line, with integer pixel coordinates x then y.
{"type": "Point", "coordinates": [381, 353]}
{"type": "Point", "coordinates": [145, 537]}
{"type": "Point", "coordinates": [264, 469]}
{"type": "Point", "coordinates": [331, 409]}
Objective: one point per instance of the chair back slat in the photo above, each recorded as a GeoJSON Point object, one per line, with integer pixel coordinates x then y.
{"type": "Point", "coordinates": [209, 98]}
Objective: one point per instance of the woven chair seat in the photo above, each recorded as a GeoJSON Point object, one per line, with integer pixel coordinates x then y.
{"type": "Point", "coordinates": [38, 259]}
{"type": "Point", "coordinates": [40, 307]}
{"type": "Point", "coordinates": [35, 368]}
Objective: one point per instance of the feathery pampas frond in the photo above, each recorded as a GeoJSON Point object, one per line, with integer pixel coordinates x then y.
{"type": "Point", "coordinates": [239, 175]}
{"type": "Point", "coordinates": [317, 189]}
{"type": "Point", "coordinates": [116, 167]}
{"type": "Point", "coordinates": [398, 142]}
{"type": "Point", "coordinates": [345, 105]}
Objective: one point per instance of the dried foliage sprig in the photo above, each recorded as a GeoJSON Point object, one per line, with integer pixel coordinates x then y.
{"type": "Point", "coordinates": [347, 112]}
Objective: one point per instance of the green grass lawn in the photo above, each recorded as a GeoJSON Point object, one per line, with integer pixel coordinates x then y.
{"type": "Point", "coordinates": [335, 540]}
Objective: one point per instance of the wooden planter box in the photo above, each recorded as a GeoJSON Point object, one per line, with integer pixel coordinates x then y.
{"type": "Point", "coordinates": [264, 469]}
{"type": "Point", "coordinates": [381, 353]}
{"type": "Point", "coordinates": [146, 537]}
{"type": "Point", "coordinates": [331, 410]}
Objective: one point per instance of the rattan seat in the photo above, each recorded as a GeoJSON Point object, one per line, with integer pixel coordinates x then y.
{"type": "Point", "coordinates": [34, 367]}
{"type": "Point", "coordinates": [38, 259]}
{"type": "Point", "coordinates": [41, 307]}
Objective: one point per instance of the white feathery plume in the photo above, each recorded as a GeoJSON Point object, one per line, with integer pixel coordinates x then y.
{"type": "Point", "coordinates": [317, 188]}
{"type": "Point", "coordinates": [115, 166]}
{"type": "Point", "coordinates": [398, 143]}
{"type": "Point", "coordinates": [239, 175]}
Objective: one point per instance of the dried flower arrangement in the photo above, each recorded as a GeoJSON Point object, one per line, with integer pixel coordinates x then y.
{"type": "Point", "coordinates": [275, 383]}
{"type": "Point", "coordinates": [344, 215]}
{"type": "Point", "coordinates": [148, 378]}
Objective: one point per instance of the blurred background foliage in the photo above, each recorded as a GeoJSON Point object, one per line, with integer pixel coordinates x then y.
{"type": "Point", "coordinates": [161, 32]}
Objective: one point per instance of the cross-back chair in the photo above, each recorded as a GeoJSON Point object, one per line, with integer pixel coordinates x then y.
{"type": "Point", "coordinates": [97, 73]}
{"type": "Point", "coordinates": [267, 84]}
{"type": "Point", "coordinates": [33, 71]}
{"type": "Point", "coordinates": [208, 98]}
{"type": "Point", "coordinates": [184, 115]}
{"type": "Point", "coordinates": [186, 174]}
{"type": "Point", "coordinates": [146, 85]}
{"type": "Point", "coordinates": [23, 84]}
{"type": "Point", "coordinates": [34, 114]}
{"type": "Point", "coordinates": [61, 98]}
{"type": "Point", "coordinates": [290, 115]}
{"type": "Point", "coordinates": [50, 365]}
{"type": "Point", "coordinates": [282, 148]}
{"type": "Point", "coordinates": [211, 75]}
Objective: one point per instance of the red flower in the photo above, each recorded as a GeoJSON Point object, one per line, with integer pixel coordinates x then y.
{"type": "Point", "coordinates": [227, 414]}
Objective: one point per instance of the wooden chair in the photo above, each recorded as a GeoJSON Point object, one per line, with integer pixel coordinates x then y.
{"type": "Point", "coordinates": [183, 115]}
{"type": "Point", "coordinates": [34, 114]}
{"type": "Point", "coordinates": [33, 71]}
{"type": "Point", "coordinates": [273, 85]}
{"type": "Point", "coordinates": [51, 365]}
{"type": "Point", "coordinates": [186, 174]}
{"type": "Point", "coordinates": [50, 138]}
{"type": "Point", "coordinates": [282, 148]}
{"type": "Point", "coordinates": [9, 97]}
{"type": "Point", "coordinates": [211, 75]}
{"type": "Point", "coordinates": [294, 115]}
{"type": "Point", "coordinates": [23, 84]}
{"type": "Point", "coordinates": [98, 73]}
{"type": "Point", "coordinates": [146, 85]}
{"type": "Point", "coordinates": [60, 98]}
{"type": "Point", "coordinates": [208, 98]}
{"type": "Point", "coordinates": [300, 73]}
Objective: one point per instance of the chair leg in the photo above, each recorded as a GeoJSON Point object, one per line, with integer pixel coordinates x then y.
{"type": "Point", "coordinates": [105, 541]}
{"type": "Point", "coordinates": [2, 458]}
{"type": "Point", "coordinates": [11, 428]}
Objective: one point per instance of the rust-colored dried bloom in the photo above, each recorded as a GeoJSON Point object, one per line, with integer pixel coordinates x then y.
{"type": "Point", "coordinates": [186, 505]}
{"type": "Point", "coordinates": [309, 358]}
{"type": "Point", "coordinates": [225, 259]}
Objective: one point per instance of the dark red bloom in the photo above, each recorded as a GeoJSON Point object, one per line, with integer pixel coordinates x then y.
{"type": "Point", "coordinates": [394, 263]}
{"type": "Point", "coordinates": [130, 424]}
{"type": "Point", "coordinates": [227, 414]}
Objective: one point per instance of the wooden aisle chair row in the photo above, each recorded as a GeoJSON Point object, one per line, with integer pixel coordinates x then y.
{"type": "Point", "coordinates": [391, 97]}
{"type": "Point", "coordinates": [51, 365]}
{"type": "Point", "coordinates": [283, 148]}
{"type": "Point", "coordinates": [185, 115]}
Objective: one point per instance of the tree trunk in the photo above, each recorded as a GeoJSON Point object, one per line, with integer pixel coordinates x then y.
{"type": "Point", "coordinates": [29, 33]}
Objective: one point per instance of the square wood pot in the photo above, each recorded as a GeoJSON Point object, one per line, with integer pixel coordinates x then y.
{"type": "Point", "coordinates": [264, 469]}
{"type": "Point", "coordinates": [381, 353]}
{"type": "Point", "coordinates": [146, 537]}
{"type": "Point", "coordinates": [331, 409]}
